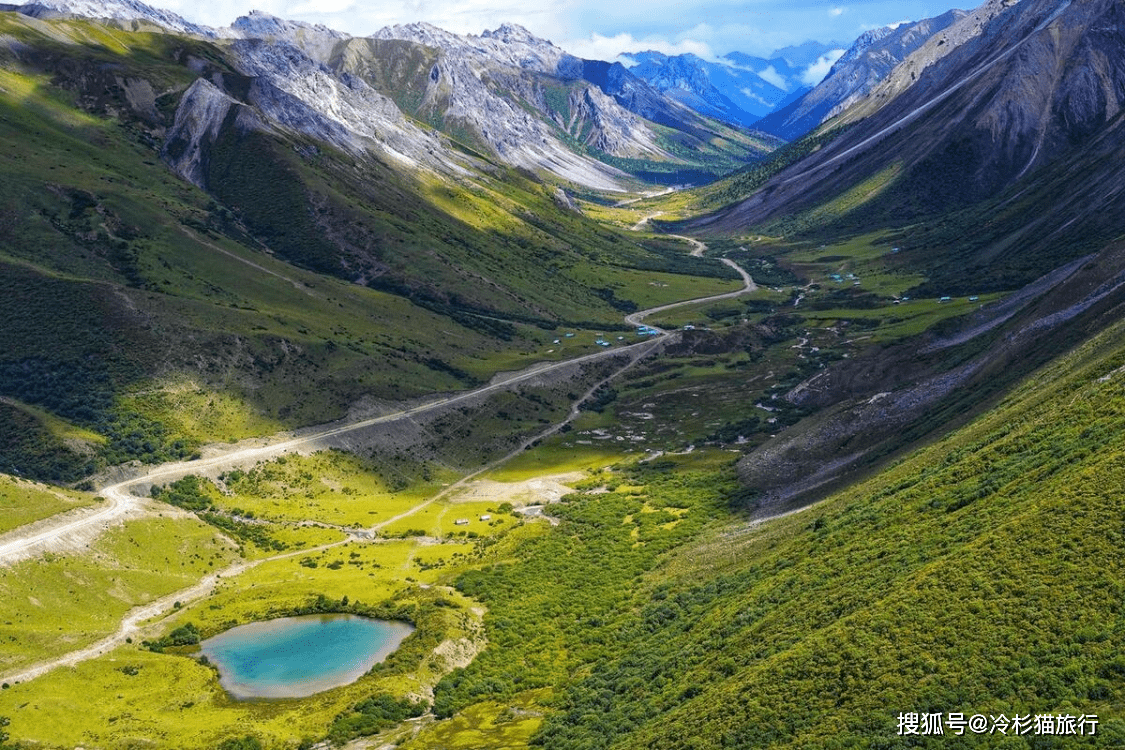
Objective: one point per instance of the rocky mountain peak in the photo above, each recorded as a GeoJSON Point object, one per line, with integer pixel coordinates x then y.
{"type": "Point", "coordinates": [867, 64]}
{"type": "Point", "coordinates": [258, 24]}
{"type": "Point", "coordinates": [511, 33]}
{"type": "Point", "coordinates": [115, 10]}
{"type": "Point", "coordinates": [864, 43]}
{"type": "Point", "coordinates": [420, 33]}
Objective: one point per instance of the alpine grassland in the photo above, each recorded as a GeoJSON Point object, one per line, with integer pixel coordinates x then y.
{"type": "Point", "coordinates": [979, 575]}
{"type": "Point", "coordinates": [155, 317]}
{"type": "Point", "coordinates": [64, 601]}
{"type": "Point", "coordinates": [253, 367]}
{"type": "Point", "coordinates": [282, 562]}
{"type": "Point", "coordinates": [23, 502]}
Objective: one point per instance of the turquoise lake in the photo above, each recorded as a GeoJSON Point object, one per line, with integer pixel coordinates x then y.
{"type": "Point", "coordinates": [297, 656]}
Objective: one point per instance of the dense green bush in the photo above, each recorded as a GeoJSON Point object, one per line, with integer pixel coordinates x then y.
{"type": "Point", "coordinates": [373, 715]}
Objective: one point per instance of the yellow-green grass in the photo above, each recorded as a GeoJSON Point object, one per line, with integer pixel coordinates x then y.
{"type": "Point", "coordinates": [852, 199]}
{"type": "Point", "coordinates": [625, 216]}
{"type": "Point", "coordinates": [487, 724]}
{"type": "Point", "coordinates": [439, 519]}
{"type": "Point", "coordinates": [296, 537]}
{"type": "Point", "coordinates": [552, 458]}
{"type": "Point", "coordinates": [200, 414]}
{"type": "Point", "coordinates": [653, 288]}
{"type": "Point", "coordinates": [368, 572]}
{"type": "Point", "coordinates": [865, 247]}
{"type": "Point", "coordinates": [583, 341]}
{"type": "Point", "coordinates": [869, 257]}
{"type": "Point", "coordinates": [330, 487]}
{"type": "Point", "coordinates": [61, 602]}
{"type": "Point", "coordinates": [23, 501]}
{"type": "Point", "coordinates": [171, 701]}
{"type": "Point", "coordinates": [696, 314]}
{"type": "Point", "coordinates": [477, 208]}
{"type": "Point", "coordinates": [59, 427]}
{"type": "Point", "coordinates": [982, 556]}
{"type": "Point", "coordinates": [898, 321]}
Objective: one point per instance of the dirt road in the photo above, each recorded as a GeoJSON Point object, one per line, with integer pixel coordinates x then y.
{"type": "Point", "coordinates": [73, 530]}
{"type": "Point", "coordinates": [748, 285]}
{"type": "Point", "coordinates": [120, 503]}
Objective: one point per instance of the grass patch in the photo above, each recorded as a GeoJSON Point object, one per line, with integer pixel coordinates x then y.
{"type": "Point", "coordinates": [64, 601]}
{"type": "Point", "coordinates": [23, 501]}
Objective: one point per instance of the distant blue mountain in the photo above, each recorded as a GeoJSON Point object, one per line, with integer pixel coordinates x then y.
{"type": "Point", "coordinates": [739, 88]}
{"type": "Point", "coordinates": [867, 62]}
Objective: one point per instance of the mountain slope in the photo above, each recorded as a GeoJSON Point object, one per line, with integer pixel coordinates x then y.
{"type": "Point", "coordinates": [739, 88]}
{"type": "Point", "coordinates": [525, 100]}
{"type": "Point", "coordinates": [308, 261]}
{"type": "Point", "coordinates": [690, 80]}
{"type": "Point", "coordinates": [867, 62]}
{"type": "Point", "coordinates": [964, 580]}
{"type": "Point", "coordinates": [520, 100]}
{"type": "Point", "coordinates": [1004, 123]}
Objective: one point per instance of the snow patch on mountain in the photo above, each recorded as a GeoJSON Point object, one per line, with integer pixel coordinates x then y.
{"type": "Point", "coordinates": [116, 10]}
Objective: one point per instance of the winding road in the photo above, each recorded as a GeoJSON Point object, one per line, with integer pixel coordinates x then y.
{"type": "Point", "coordinates": [698, 248]}
{"type": "Point", "coordinates": [121, 503]}
{"type": "Point", "coordinates": [76, 528]}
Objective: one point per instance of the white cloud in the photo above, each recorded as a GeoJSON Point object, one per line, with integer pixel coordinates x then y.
{"type": "Point", "coordinates": [895, 25]}
{"type": "Point", "coordinates": [751, 95]}
{"type": "Point", "coordinates": [616, 47]}
{"type": "Point", "coordinates": [835, 12]}
{"type": "Point", "coordinates": [322, 6]}
{"type": "Point", "coordinates": [816, 72]}
{"type": "Point", "coordinates": [771, 75]}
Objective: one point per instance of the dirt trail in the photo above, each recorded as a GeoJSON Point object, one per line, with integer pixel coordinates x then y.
{"type": "Point", "coordinates": [644, 196]}
{"type": "Point", "coordinates": [748, 285]}
{"type": "Point", "coordinates": [645, 220]}
{"type": "Point", "coordinates": [120, 502]}
{"type": "Point", "coordinates": [148, 619]}
{"type": "Point", "coordinates": [296, 284]}
{"type": "Point", "coordinates": [70, 531]}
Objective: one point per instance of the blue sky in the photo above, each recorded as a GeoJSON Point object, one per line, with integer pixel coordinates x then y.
{"type": "Point", "coordinates": [597, 28]}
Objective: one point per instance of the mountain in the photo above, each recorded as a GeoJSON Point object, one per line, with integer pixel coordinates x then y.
{"type": "Point", "coordinates": [517, 98]}
{"type": "Point", "coordinates": [527, 101]}
{"type": "Point", "coordinates": [738, 88]}
{"type": "Point", "coordinates": [987, 160]}
{"type": "Point", "coordinates": [182, 208]}
{"type": "Point", "coordinates": [989, 118]}
{"type": "Point", "coordinates": [286, 283]}
{"type": "Point", "coordinates": [689, 80]}
{"type": "Point", "coordinates": [868, 61]}
{"type": "Point", "coordinates": [130, 11]}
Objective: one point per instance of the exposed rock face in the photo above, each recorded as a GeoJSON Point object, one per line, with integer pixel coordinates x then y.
{"type": "Point", "coordinates": [285, 89]}
{"type": "Point", "coordinates": [1010, 91]}
{"type": "Point", "coordinates": [511, 96]}
{"type": "Point", "coordinates": [738, 88]}
{"type": "Point", "coordinates": [317, 41]}
{"type": "Point", "coordinates": [710, 88]}
{"type": "Point", "coordinates": [484, 85]}
{"type": "Point", "coordinates": [871, 59]}
{"type": "Point", "coordinates": [202, 113]}
{"type": "Point", "coordinates": [115, 10]}
{"type": "Point", "coordinates": [338, 108]}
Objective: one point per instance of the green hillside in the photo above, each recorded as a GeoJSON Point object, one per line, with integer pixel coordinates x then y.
{"type": "Point", "coordinates": [979, 575]}
{"type": "Point", "coordinates": [880, 482]}
{"type": "Point", "coordinates": [304, 282]}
